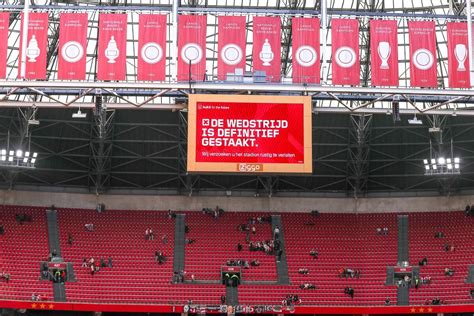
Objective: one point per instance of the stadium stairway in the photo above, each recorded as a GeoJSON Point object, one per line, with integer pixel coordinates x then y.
{"type": "Point", "coordinates": [232, 295]}
{"type": "Point", "coordinates": [402, 238]}
{"type": "Point", "coordinates": [403, 292]}
{"type": "Point", "coordinates": [470, 274]}
{"type": "Point", "coordinates": [53, 231]}
{"type": "Point", "coordinates": [282, 266]}
{"type": "Point", "coordinates": [59, 289]}
{"type": "Point", "coordinates": [179, 242]}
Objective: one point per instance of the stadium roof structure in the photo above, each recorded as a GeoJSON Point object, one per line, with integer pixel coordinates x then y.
{"type": "Point", "coordinates": [134, 138]}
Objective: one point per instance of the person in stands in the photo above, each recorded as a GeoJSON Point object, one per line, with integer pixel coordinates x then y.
{"type": "Point", "coordinates": [349, 291]}
{"type": "Point", "coordinates": [307, 286]}
{"type": "Point", "coordinates": [449, 272]}
{"type": "Point", "coordinates": [239, 246]}
{"type": "Point", "coordinates": [5, 276]}
{"type": "Point", "coordinates": [110, 262]}
{"type": "Point", "coordinates": [423, 262]}
{"type": "Point", "coordinates": [255, 263]}
{"type": "Point", "coordinates": [2, 230]}
{"type": "Point", "coordinates": [69, 239]}
{"type": "Point", "coordinates": [151, 235]}
{"type": "Point", "coordinates": [84, 263]}
{"type": "Point", "coordinates": [314, 253]}
{"type": "Point", "coordinates": [276, 232]}
{"type": "Point", "coordinates": [303, 271]}
{"type": "Point", "coordinates": [223, 299]}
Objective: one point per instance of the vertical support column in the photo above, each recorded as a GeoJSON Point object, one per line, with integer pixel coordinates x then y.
{"type": "Point", "coordinates": [101, 145]}
{"type": "Point", "coordinates": [359, 150]}
{"type": "Point", "coordinates": [174, 42]}
{"type": "Point", "coordinates": [24, 38]}
{"type": "Point", "coordinates": [470, 40]}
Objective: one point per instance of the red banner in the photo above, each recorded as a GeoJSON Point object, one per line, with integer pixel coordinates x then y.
{"type": "Point", "coordinates": [458, 55]}
{"type": "Point", "coordinates": [267, 47]}
{"type": "Point", "coordinates": [192, 47]}
{"type": "Point", "coordinates": [345, 52]}
{"type": "Point", "coordinates": [423, 60]}
{"type": "Point", "coordinates": [231, 45]}
{"type": "Point", "coordinates": [384, 52]}
{"type": "Point", "coordinates": [152, 47]}
{"type": "Point", "coordinates": [4, 22]}
{"type": "Point", "coordinates": [37, 46]}
{"type": "Point", "coordinates": [306, 66]}
{"type": "Point", "coordinates": [112, 52]}
{"type": "Point", "coordinates": [72, 46]}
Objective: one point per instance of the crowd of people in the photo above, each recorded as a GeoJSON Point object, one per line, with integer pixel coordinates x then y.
{"type": "Point", "coordinates": [348, 290]}
{"type": "Point", "coordinates": [23, 218]}
{"type": "Point", "coordinates": [349, 272]}
{"type": "Point", "coordinates": [149, 234]}
{"type": "Point", "coordinates": [5, 276]}
{"type": "Point", "coordinates": [291, 299]}
{"type": "Point", "coordinates": [382, 230]}
{"type": "Point", "coordinates": [94, 266]}
{"type": "Point", "coordinates": [216, 212]}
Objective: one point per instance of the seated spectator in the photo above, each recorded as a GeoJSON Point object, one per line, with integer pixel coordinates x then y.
{"type": "Point", "coordinates": [449, 272]}
{"type": "Point", "coordinates": [426, 280]}
{"type": "Point", "coordinates": [223, 299]}
{"type": "Point", "coordinates": [5, 276]}
{"type": "Point", "coordinates": [189, 241]}
{"type": "Point", "coordinates": [436, 301]}
{"type": "Point", "coordinates": [314, 253]}
{"type": "Point", "coordinates": [303, 271]}
{"type": "Point", "coordinates": [110, 262]}
{"type": "Point", "coordinates": [2, 230]}
{"type": "Point", "coordinates": [423, 262]}
{"type": "Point", "coordinates": [151, 235]}
{"type": "Point", "coordinates": [472, 293]}
{"type": "Point", "coordinates": [89, 227]}
{"type": "Point", "coordinates": [439, 235]}
{"type": "Point", "coordinates": [378, 230]}
{"type": "Point", "coordinates": [147, 234]}
{"type": "Point", "coordinates": [193, 278]}
{"type": "Point", "coordinates": [246, 264]}
{"type": "Point", "coordinates": [102, 263]}
{"type": "Point", "coordinates": [349, 291]}
{"type": "Point", "coordinates": [254, 230]}
{"type": "Point", "coordinates": [239, 246]}
{"type": "Point", "coordinates": [449, 248]}
{"type": "Point", "coordinates": [35, 297]}
{"type": "Point", "coordinates": [255, 263]}
{"type": "Point", "coordinates": [307, 286]}
{"type": "Point", "coordinates": [417, 282]}
{"type": "Point", "coordinates": [164, 239]}
{"type": "Point", "coordinates": [385, 230]}
{"type": "Point", "coordinates": [84, 263]}
{"type": "Point", "coordinates": [69, 239]}
{"type": "Point", "coordinates": [276, 232]}
{"type": "Point", "coordinates": [387, 301]}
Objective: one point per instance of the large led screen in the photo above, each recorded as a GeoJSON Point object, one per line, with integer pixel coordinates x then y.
{"type": "Point", "coordinates": [249, 134]}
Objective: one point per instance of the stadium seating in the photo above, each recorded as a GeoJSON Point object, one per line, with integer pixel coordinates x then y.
{"type": "Point", "coordinates": [459, 232]}
{"type": "Point", "coordinates": [342, 241]}
{"type": "Point", "coordinates": [22, 248]}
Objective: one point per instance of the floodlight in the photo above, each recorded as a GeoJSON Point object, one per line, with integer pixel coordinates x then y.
{"type": "Point", "coordinates": [35, 154]}
{"type": "Point", "coordinates": [427, 167]}
{"type": "Point", "coordinates": [79, 114]}
{"type": "Point", "coordinates": [441, 160]}
{"type": "Point", "coordinates": [4, 152]}
{"type": "Point", "coordinates": [450, 166]}
{"type": "Point", "coordinates": [11, 153]}
{"type": "Point", "coordinates": [448, 160]}
{"type": "Point", "coordinates": [425, 161]}
{"type": "Point", "coordinates": [456, 166]}
{"type": "Point", "coordinates": [19, 153]}
{"type": "Point", "coordinates": [27, 153]}
{"type": "Point", "coordinates": [33, 160]}
{"type": "Point", "coordinates": [25, 160]}
{"type": "Point", "coordinates": [10, 158]}
{"type": "Point", "coordinates": [435, 167]}
{"type": "Point", "coordinates": [433, 161]}
{"type": "Point", "coordinates": [456, 160]}
{"type": "Point", "coordinates": [4, 158]}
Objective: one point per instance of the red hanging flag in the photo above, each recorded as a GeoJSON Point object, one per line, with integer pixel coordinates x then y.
{"type": "Point", "coordinates": [231, 45]}
{"type": "Point", "coordinates": [267, 46]}
{"type": "Point", "coordinates": [37, 46]}
{"type": "Point", "coordinates": [152, 47]}
{"type": "Point", "coordinates": [422, 53]}
{"type": "Point", "coordinates": [384, 52]}
{"type": "Point", "coordinates": [112, 52]}
{"type": "Point", "coordinates": [72, 46]}
{"type": "Point", "coordinates": [4, 22]}
{"type": "Point", "coordinates": [306, 66]}
{"type": "Point", "coordinates": [458, 55]}
{"type": "Point", "coordinates": [345, 52]}
{"type": "Point", "coordinates": [192, 47]}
